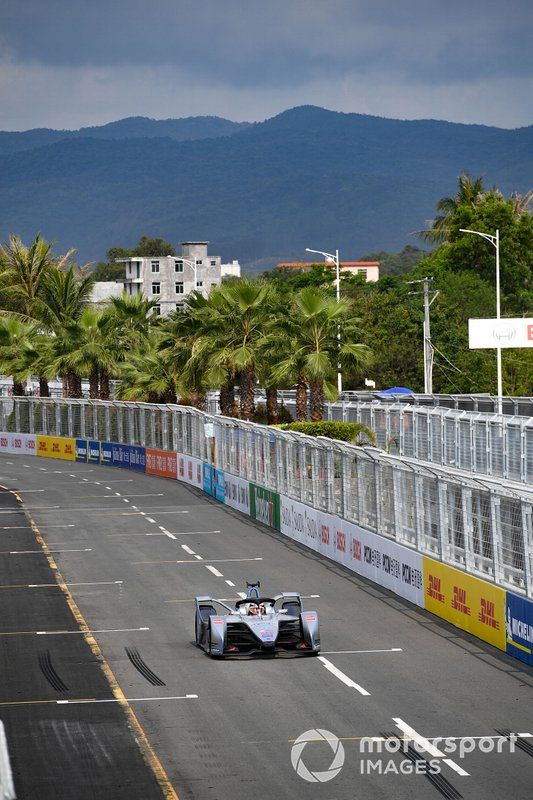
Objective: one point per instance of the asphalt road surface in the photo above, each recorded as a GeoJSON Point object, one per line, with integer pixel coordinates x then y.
{"type": "Point", "coordinates": [134, 550]}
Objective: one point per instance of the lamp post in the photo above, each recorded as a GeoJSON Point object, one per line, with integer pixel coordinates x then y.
{"type": "Point", "coordinates": [495, 242]}
{"type": "Point", "coordinates": [335, 258]}
{"type": "Point", "coordinates": [194, 269]}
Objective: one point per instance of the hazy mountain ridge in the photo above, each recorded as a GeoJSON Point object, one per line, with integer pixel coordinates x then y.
{"type": "Point", "coordinates": [307, 177]}
{"type": "Point", "coordinates": [183, 129]}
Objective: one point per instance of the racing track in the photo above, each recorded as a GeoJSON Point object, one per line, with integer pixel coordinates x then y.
{"type": "Point", "coordinates": [103, 525]}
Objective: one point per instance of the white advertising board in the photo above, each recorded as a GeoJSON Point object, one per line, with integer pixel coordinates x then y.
{"type": "Point", "coordinates": [237, 493]}
{"type": "Point", "coordinates": [483, 333]}
{"type": "Point", "coordinates": [21, 443]}
{"type": "Point", "coordinates": [190, 470]}
{"type": "Point", "coordinates": [382, 560]}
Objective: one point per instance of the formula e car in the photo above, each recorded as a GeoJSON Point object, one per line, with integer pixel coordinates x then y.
{"type": "Point", "coordinates": [256, 625]}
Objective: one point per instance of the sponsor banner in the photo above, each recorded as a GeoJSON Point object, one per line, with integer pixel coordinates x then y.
{"type": "Point", "coordinates": [467, 602]}
{"type": "Point", "coordinates": [93, 451]}
{"type": "Point", "coordinates": [383, 561]}
{"type": "Point", "coordinates": [190, 470]}
{"type": "Point", "coordinates": [517, 332]}
{"type": "Point", "coordinates": [128, 456]}
{"type": "Point", "coordinates": [161, 462]}
{"type": "Point", "coordinates": [218, 485]}
{"type": "Point", "coordinates": [81, 450]}
{"type": "Point", "coordinates": [265, 506]}
{"type": "Point", "coordinates": [207, 478]}
{"type": "Point", "coordinates": [106, 453]}
{"type": "Point", "coordinates": [56, 447]}
{"type": "Point", "coordinates": [237, 493]}
{"type": "Point", "coordinates": [519, 627]}
{"type": "Point", "coordinates": [21, 443]}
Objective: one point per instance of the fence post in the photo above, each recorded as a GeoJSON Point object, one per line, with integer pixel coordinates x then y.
{"type": "Point", "coordinates": [466, 501]}
{"type": "Point", "coordinates": [496, 537]}
{"type": "Point", "coordinates": [527, 532]}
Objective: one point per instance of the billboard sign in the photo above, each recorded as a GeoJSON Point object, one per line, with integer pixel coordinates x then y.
{"type": "Point", "coordinates": [265, 506]}
{"type": "Point", "coordinates": [21, 443]}
{"type": "Point", "coordinates": [483, 333]}
{"type": "Point", "coordinates": [127, 456]}
{"type": "Point", "coordinates": [190, 470]}
{"type": "Point", "coordinates": [56, 447]}
{"type": "Point", "coordinates": [519, 627]}
{"type": "Point", "coordinates": [161, 462]}
{"type": "Point", "coordinates": [237, 493]}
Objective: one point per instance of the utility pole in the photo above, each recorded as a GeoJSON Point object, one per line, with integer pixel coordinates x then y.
{"type": "Point", "coordinates": [428, 347]}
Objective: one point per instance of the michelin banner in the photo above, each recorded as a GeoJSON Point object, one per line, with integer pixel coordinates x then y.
{"type": "Point", "coordinates": [18, 443]}
{"type": "Point", "coordinates": [237, 493]}
{"type": "Point", "coordinates": [519, 627]}
{"type": "Point", "coordinates": [469, 603]}
{"type": "Point", "coordinates": [384, 561]}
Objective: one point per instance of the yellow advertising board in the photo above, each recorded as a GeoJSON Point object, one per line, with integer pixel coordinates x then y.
{"type": "Point", "coordinates": [56, 447]}
{"type": "Point", "coordinates": [469, 603]}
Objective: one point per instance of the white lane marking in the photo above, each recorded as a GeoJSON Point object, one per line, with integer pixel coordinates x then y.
{"type": "Point", "coordinates": [242, 595]}
{"type": "Point", "coordinates": [24, 552]}
{"type": "Point", "coordinates": [125, 500]}
{"type": "Point", "coordinates": [85, 583]}
{"type": "Point", "coordinates": [343, 652]}
{"type": "Point", "coordinates": [129, 700]}
{"type": "Point", "coordinates": [71, 475]}
{"type": "Point", "coordinates": [188, 549]}
{"type": "Point", "coordinates": [103, 630]}
{"type": "Point", "coordinates": [11, 463]}
{"type": "Point", "coordinates": [107, 487]}
{"type": "Point", "coordinates": [44, 525]}
{"type": "Point", "coordinates": [135, 507]}
{"type": "Point", "coordinates": [110, 495]}
{"type": "Point", "coordinates": [41, 468]}
{"type": "Point", "coordinates": [199, 558]}
{"type": "Point", "coordinates": [142, 513]}
{"type": "Point", "coordinates": [230, 583]}
{"type": "Point", "coordinates": [30, 508]}
{"type": "Point", "coordinates": [342, 677]}
{"type": "Point", "coordinates": [190, 561]}
{"type": "Point", "coordinates": [26, 465]}
{"type": "Point", "coordinates": [169, 512]}
{"type": "Point", "coordinates": [192, 533]}
{"type": "Point", "coordinates": [426, 745]}
{"type": "Point", "coordinates": [153, 494]}
{"type": "Point", "coordinates": [120, 480]}
{"type": "Point", "coordinates": [149, 519]}
{"type": "Point", "coordinates": [214, 571]}
{"type": "Point", "coordinates": [167, 533]}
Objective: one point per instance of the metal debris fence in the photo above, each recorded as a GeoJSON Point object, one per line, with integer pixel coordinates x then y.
{"type": "Point", "coordinates": [479, 523]}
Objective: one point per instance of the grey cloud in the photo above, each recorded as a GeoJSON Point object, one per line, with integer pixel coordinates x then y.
{"type": "Point", "coordinates": [276, 43]}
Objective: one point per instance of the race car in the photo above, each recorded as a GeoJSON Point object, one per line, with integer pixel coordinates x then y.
{"type": "Point", "coordinates": [256, 625]}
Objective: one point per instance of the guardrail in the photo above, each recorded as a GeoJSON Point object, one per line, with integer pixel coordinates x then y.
{"type": "Point", "coordinates": [482, 525]}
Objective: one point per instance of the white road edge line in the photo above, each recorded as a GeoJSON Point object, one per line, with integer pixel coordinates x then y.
{"type": "Point", "coordinates": [27, 552]}
{"type": "Point", "coordinates": [426, 745]}
{"type": "Point", "coordinates": [342, 677]}
{"type": "Point", "coordinates": [85, 583]}
{"type": "Point", "coordinates": [345, 652]}
{"type": "Point", "coordinates": [102, 630]}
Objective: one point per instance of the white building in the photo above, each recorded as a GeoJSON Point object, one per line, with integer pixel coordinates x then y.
{"type": "Point", "coordinates": [169, 279]}
{"type": "Point", "coordinates": [366, 269]}
{"type": "Point", "coordinates": [103, 291]}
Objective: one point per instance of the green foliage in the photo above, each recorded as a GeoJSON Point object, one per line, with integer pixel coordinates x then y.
{"type": "Point", "coordinates": [145, 247]}
{"type": "Point", "coordinates": [397, 263]}
{"type": "Point", "coordinates": [353, 432]}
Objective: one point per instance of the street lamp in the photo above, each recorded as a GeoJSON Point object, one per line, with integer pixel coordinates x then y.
{"type": "Point", "coordinates": [335, 258]}
{"type": "Point", "coordinates": [194, 268]}
{"type": "Point", "coordinates": [495, 242]}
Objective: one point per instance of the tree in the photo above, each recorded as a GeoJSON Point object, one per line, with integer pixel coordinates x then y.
{"type": "Point", "coordinates": [470, 191]}
{"type": "Point", "coordinates": [17, 351]}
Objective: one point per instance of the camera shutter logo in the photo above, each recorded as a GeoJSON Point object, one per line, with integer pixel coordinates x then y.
{"type": "Point", "coordinates": [317, 735]}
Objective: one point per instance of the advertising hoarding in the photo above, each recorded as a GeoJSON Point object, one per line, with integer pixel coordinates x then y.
{"type": "Point", "coordinates": [161, 462]}
{"type": "Point", "coordinates": [56, 447]}
{"type": "Point", "coordinates": [265, 506]}
{"type": "Point", "coordinates": [218, 485]}
{"type": "Point", "coordinates": [18, 443]}
{"type": "Point", "coordinates": [81, 450]}
{"type": "Point", "coordinates": [467, 602]}
{"type": "Point", "coordinates": [127, 456]}
{"type": "Point", "coordinates": [237, 493]}
{"type": "Point", "coordinates": [207, 478]}
{"type": "Point", "coordinates": [190, 470]}
{"type": "Point", "coordinates": [519, 627]}
{"type": "Point", "coordinates": [484, 333]}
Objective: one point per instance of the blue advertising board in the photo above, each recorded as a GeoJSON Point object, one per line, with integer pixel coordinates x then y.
{"type": "Point", "coordinates": [81, 449]}
{"type": "Point", "coordinates": [93, 451]}
{"type": "Point", "coordinates": [207, 478]}
{"type": "Point", "coordinates": [128, 456]}
{"type": "Point", "coordinates": [106, 453]}
{"type": "Point", "coordinates": [519, 627]}
{"type": "Point", "coordinates": [219, 485]}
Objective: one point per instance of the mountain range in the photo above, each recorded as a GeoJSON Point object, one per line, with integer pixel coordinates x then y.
{"type": "Point", "coordinates": [259, 192]}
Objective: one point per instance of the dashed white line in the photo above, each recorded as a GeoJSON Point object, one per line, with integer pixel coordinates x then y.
{"type": "Point", "coordinates": [242, 595]}
{"type": "Point", "coordinates": [102, 630]}
{"type": "Point", "coordinates": [214, 571]}
{"type": "Point", "coordinates": [342, 677]}
{"type": "Point", "coordinates": [125, 500]}
{"type": "Point", "coordinates": [344, 652]}
{"type": "Point", "coordinates": [25, 552]}
{"type": "Point", "coordinates": [199, 558]}
{"type": "Point", "coordinates": [426, 745]}
{"type": "Point", "coordinates": [230, 583]}
{"type": "Point", "coordinates": [188, 549]}
{"type": "Point", "coordinates": [85, 583]}
{"type": "Point", "coordinates": [129, 699]}
{"type": "Point", "coordinates": [149, 519]}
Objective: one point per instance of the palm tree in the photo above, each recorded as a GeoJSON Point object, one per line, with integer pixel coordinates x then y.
{"type": "Point", "coordinates": [91, 351]}
{"type": "Point", "coordinates": [146, 376]}
{"type": "Point", "coordinates": [470, 191]}
{"type": "Point", "coordinates": [312, 325]}
{"type": "Point", "coordinates": [234, 323]}
{"type": "Point", "coordinates": [18, 352]}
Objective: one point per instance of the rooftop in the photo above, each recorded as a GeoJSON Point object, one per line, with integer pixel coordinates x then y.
{"type": "Point", "coordinates": [343, 264]}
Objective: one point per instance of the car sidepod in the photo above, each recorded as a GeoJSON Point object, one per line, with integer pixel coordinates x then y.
{"type": "Point", "coordinates": [310, 631]}
{"type": "Point", "coordinates": [217, 636]}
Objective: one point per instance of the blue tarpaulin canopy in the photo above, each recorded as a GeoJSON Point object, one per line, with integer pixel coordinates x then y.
{"type": "Point", "coordinates": [397, 390]}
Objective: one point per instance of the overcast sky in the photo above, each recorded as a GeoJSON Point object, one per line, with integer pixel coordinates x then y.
{"type": "Point", "coordinates": [70, 63]}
